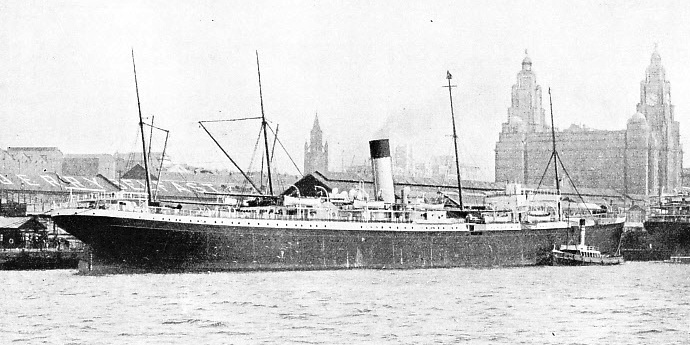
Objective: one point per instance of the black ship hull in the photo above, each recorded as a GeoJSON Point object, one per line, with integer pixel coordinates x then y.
{"type": "Point", "coordinates": [119, 243]}
{"type": "Point", "coordinates": [668, 237]}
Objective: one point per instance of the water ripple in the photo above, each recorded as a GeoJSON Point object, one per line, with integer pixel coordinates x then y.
{"type": "Point", "coordinates": [636, 303]}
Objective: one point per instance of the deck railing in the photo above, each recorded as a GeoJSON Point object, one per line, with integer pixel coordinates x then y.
{"type": "Point", "coordinates": [670, 218]}
{"type": "Point", "coordinates": [263, 215]}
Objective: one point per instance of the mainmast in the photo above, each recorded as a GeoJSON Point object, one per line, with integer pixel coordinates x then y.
{"type": "Point", "coordinates": [143, 141]}
{"type": "Point", "coordinates": [556, 158]}
{"type": "Point", "coordinates": [263, 125]}
{"type": "Point", "coordinates": [553, 140]}
{"type": "Point", "coordinates": [455, 138]}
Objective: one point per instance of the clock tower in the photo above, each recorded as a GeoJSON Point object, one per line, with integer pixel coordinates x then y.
{"type": "Point", "coordinates": [655, 105]}
{"type": "Point", "coordinates": [316, 153]}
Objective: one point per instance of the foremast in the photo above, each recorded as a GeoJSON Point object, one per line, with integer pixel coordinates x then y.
{"type": "Point", "coordinates": [143, 139]}
{"type": "Point", "coordinates": [263, 126]}
{"type": "Point", "coordinates": [455, 138]}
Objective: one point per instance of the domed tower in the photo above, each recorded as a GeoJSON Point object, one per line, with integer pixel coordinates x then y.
{"type": "Point", "coordinates": [525, 118]}
{"type": "Point", "coordinates": [638, 156]}
{"type": "Point", "coordinates": [315, 153]}
{"type": "Point", "coordinates": [526, 101]}
{"type": "Point", "coordinates": [655, 105]}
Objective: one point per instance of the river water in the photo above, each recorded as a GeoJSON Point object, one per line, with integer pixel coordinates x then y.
{"type": "Point", "coordinates": [635, 303]}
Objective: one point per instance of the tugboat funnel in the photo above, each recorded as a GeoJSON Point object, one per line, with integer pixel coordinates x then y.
{"type": "Point", "coordinates": [383, 170]}
{"type": "Point", "coordinates": [582, 232]}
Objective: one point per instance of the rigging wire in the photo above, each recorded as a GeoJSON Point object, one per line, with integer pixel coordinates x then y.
{"type": "Point", "coordinates": [251, 162]}
{"type": "Point", "coordinates": [233, 120]}
{"type": "Point", "coordinates": [162, 159]}
{"type": "Point", "coordinates": [286, 152]}
{"type": "Point", "coordinates": [130, 157]}
{"type": "Point", "coordinates": [261, 173]}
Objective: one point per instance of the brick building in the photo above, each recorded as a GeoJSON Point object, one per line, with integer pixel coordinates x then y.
{"type": "Point", "coordinates": [29, 159]}
{"type": "Point", "coordinates": [644, 158]}
{"type": "Point", "coordinates": [89, 165]}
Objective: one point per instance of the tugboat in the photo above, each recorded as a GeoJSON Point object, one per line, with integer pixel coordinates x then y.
{"type": "Point", "coordinates": [679, 260]}
{"type": "Point", "coordinates": [582, 254]}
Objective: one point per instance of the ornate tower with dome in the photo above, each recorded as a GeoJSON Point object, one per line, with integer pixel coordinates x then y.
{"type": "Point", "coordinates": [315, 153]}
{"type": "Point", "coordinates": [526, 113]}
{"type": "Point", "coordinates": [645, 158]}
{"type": "Point", "coordinates": [655, 105]}
{"type": "Point", "coordinates": [525, 116]}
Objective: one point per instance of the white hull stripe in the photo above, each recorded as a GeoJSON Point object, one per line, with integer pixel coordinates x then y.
{"type": "Point", "coordinates": [274, 223]}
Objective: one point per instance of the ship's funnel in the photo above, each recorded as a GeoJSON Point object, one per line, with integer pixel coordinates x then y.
{"type": "Point", "coordinates": [582, 232]}
{"type": "Point", "coordinates": [383, 170]}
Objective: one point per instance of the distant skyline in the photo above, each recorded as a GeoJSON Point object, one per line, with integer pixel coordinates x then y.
{"type": "Point", "coordinates": [369, 69]}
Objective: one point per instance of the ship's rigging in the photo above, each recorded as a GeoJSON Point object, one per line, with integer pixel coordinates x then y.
{"type": "Point", "coordinates": [152, 196]}
{"type": "Point", "coordinates": [268, 152]}
{"type": "Point", "coordinates": [556, 158]}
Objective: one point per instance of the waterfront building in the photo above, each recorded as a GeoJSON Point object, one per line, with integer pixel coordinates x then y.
{"type": "Point", "coordinates": [644, 158]}
{"type": "Point", "coordinates": [315, 153]}
{"type": "Point", "coordinates": [18, 232]}
{"type": "Point", "coordinates": [109, 165]}
{"type": "Point", "coordinates": [89, 165]}
{"type": "Point", "coordinates": [35, 160]}
{"type": "Point", "coordinates": [29, 159]}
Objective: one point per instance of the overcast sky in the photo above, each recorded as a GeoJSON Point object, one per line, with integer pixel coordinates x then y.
{"type": "Point", "coordinates": [366, 67]}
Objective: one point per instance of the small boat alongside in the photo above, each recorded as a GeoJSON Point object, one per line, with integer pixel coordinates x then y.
{"type": "Point", "coordinates": [679, 260]}
{"type": "Point", "coordinates": [579, 255]}
{"type": "Point", "coordinates": [582, 254]}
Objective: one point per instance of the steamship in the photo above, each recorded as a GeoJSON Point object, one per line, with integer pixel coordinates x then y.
{"type": "Point", "coordinates": [125, 233]}
{"type": "Point", "coordinates": [129, 232]}
{"type": "Point", "coordinates": [667, 228]}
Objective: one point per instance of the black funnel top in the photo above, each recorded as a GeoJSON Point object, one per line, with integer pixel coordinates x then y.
{"type": "Point", "coordinates": [379, 148]}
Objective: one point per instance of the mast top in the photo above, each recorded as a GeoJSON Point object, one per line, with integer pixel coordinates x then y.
{"type": "Point", "coordinates": [553, 141]}
{"type": "Point", "coordinates": [264, 125]}
{"type": "Point", "coordinates": [455, 138]}
{"type": "Point", "coordinates": [143, 140]}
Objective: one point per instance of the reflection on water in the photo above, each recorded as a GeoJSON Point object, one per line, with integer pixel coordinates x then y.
{"type": "Point", "coordinates": [636, 303]}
